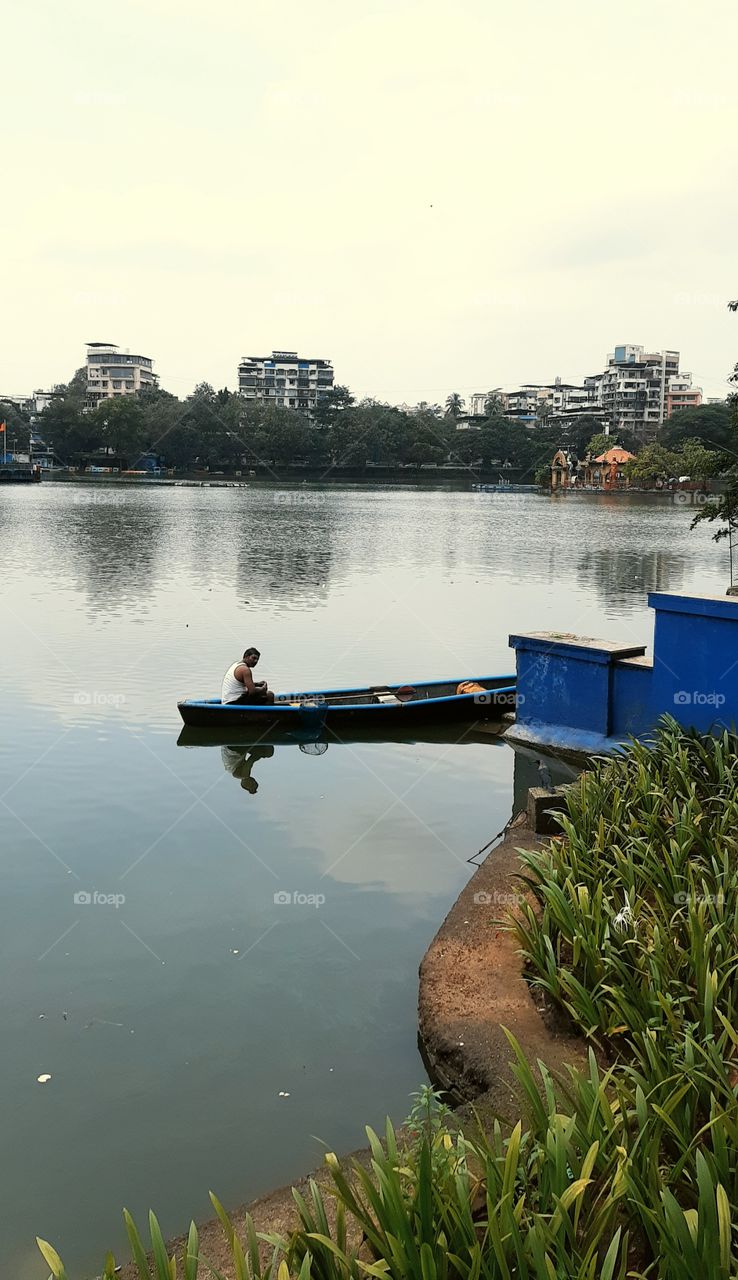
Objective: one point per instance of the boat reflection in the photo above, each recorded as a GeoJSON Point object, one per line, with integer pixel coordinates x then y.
{"type": "Point", "coordinates": [239, 757]}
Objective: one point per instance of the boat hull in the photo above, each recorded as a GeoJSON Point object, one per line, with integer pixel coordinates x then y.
{"type": "Point", "coordinates": [352, 709]}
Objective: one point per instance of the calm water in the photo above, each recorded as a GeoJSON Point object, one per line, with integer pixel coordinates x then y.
{"type": "Point", "coordinates": [174, 1023]}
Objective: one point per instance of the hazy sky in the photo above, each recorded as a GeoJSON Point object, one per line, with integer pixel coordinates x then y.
{"type": "Point", "coordinates": [442, 195]}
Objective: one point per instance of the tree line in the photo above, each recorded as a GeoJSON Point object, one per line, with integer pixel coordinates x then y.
{"type": "Point", "coordinates": [219, 431]}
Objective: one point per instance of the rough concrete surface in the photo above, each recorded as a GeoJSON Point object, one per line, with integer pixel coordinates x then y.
{"type": "Point", "coordinates": [472, 985]}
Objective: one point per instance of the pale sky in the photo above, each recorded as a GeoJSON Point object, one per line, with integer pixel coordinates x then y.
{"type": "Point", "coordinates": [442, 195]}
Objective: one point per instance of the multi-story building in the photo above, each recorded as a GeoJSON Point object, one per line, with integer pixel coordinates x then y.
{"type": "Point", "coordinates": [525, 405]}
{"type": "Point", "coordinates": [285, 380]}
{"type": "Point", "coordinates": [113, 372]}
{"type": "Point", "coordinates": [633, 389]}
{"type": "Point", "coordinates": [681, 394]}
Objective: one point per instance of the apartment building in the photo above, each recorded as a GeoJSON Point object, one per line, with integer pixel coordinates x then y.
{"type": "Point", "coordinates": [285, 379]}
{"type": "Point", "coordinates": [115, 372]}
{"type": "Point", "coordinates": [681, 394]}
{"type": "Point", "coordinates": [633, 389]}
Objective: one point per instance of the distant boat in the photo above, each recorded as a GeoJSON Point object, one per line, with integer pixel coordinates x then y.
{"type": "Point", "coordinates": [373, 706]}
{"type": "Point", "coordinates": [505, 486]}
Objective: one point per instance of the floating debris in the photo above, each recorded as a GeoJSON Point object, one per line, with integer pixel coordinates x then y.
{"type": "Point", "coordinates": [44, 1079]}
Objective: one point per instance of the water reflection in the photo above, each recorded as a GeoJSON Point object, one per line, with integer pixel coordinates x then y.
{"type": "Point", "coordinates": [622, 577]}
{"type": "Point", "coordinates": [285, 551]}
{"type": "Point", "coordinates": [239, 764]}
{"type": "Point", "coordinates": [112, 545]}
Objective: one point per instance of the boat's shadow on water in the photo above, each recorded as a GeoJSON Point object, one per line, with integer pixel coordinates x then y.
{"type": "Point", "coordinates": [242, 750]}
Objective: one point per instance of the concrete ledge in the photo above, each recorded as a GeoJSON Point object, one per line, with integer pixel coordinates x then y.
{"type": "Point", "coordinates": [542, 805]}
{"type": "Point", "coordinates": [576, 745]}
{"type": "Point", "coordinates": [583, 648]}
{"type": "Point", "coordinates": [472, 984]}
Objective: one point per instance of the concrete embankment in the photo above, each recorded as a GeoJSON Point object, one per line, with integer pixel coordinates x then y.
{"type": "Point", "coordinates": [472, 985]}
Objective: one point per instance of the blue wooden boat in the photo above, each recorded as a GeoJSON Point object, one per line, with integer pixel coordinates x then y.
{"type": "Point", "coordinates": [381, 707]}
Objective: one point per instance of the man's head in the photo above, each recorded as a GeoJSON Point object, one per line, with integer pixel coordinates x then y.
{"type": "Point", "coordinates": [251, 657]}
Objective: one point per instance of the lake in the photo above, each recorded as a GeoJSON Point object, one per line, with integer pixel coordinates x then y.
{"type": "Point", "coordinates": [199, 1033]}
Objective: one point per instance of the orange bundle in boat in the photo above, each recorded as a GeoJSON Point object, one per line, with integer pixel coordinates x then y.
{"type": "Point", "coordinates": [470, 686]}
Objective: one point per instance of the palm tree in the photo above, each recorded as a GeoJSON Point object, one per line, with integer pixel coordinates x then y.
{"type": "Point", "coordinates": [454, 405]}
{"type": "Point", "coordinates": [493, 403]}
{"type": "Point", "coordinates": [543, 411]}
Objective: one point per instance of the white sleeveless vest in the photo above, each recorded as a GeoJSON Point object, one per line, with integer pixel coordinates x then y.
{"type": "Point", "coordinates": [232, 688]}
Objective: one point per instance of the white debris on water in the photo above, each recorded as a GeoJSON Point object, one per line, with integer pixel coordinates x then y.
{"type": "Point", "coordinates": [43, 1079]}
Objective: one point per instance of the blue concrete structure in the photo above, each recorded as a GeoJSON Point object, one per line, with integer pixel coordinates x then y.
{"type": "Point", "coordinates": [584, 696]}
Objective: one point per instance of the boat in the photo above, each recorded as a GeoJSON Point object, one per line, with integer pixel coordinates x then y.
{"type": "Point", "coordinates": [378, 707]}
{"type": "Point", "coordinates": [506, 486]}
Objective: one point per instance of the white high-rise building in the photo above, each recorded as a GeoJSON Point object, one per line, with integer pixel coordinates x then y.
{"type": "Point", "coordinates": [633, 390]}
{"type": "Point", "coordinates": [285, 379]}
{"type": "Point", "coordinates": [115, 372]}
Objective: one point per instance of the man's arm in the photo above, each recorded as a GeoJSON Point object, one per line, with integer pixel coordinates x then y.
{"type": "Point", "coordinates": [243, 673]}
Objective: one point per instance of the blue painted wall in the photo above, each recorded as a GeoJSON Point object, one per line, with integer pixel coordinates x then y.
{"type": "Point", "coordinates": [580, 694]}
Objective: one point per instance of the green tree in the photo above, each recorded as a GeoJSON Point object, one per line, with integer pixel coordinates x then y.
{"type": "Point", "coordinates": [654, 462]}
{"type": "Point", "coordinates": [454, 405]}
{"type": "Point", "coordinates": [543, 412]}
{"type": "Point", "coordinates": [599, 444]}
{"type": "Point", "coordinates": [119, 424]}
{"type": "Point", "coordinates": [698, 462]}
{"type": "Point", "coordinates": [331, 404]}
{"type": "Point", "coordinates": [64, 425]}
{"type": "Point", "coordinates": [714, 425]}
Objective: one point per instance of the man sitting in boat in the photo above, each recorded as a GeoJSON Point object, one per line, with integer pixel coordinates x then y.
{"type": "Point", "coordinates": [239, 685]}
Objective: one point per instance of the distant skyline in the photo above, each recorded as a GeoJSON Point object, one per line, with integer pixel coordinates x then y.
{"type": "Point", "coordinates": [436, 196]}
